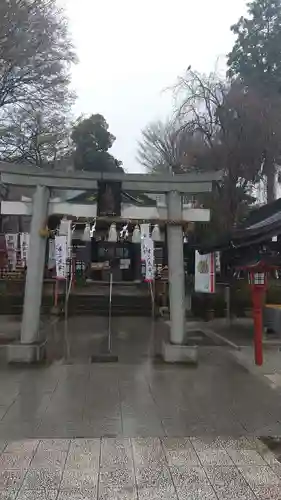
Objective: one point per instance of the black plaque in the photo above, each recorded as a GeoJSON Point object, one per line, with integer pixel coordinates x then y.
{"type": "Point", "coordinates": [109, 199]}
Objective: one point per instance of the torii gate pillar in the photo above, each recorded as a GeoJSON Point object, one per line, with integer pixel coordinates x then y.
{"type": "Point", "coordinates": [176, 269]}
{"type": "Point", "coordinates": [29, 349]}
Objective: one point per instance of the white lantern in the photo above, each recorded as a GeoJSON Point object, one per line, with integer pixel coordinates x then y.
{"type": "Point", "coordinates": [112, 235]}
{"type": "Point", "coordinates": [64, 226]}
{"type": "Point", "coordinates": [156, 234]}
{"type": "Point", "coordinates": [87, 233]}
{"type": "Point", "coordinates": [136, 237]}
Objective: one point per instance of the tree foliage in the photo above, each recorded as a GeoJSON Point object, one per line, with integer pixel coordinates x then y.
{"type": "Point", "coordinates": [92, 140]}
{"type": "Point", "coordinates": [35, 53]}
{"type": "Point", "coordinates": [256, 57]}
{"type": "Point", "coordinates": [256, 60]}
{"type": "Point", "coordinates": [233, 123]}
{"type": "Point", "coordinates": [162, 147]}
{"type": "Point", "coordinates": [219, 125]}
{"type": "Point", "coordinates": [35, 58]}
{"type": "Point", "coordinates": [222, 115]}
{"type": "Point", "coordinates": [32, 137]}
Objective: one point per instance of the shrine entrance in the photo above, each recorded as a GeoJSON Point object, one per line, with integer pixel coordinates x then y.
{"type": "Point", "coordinates": [126, 258]}
{"type": "Point", "coordinates": [171, 213]}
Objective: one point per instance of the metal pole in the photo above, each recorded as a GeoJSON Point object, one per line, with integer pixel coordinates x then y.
{"type": "Point", "coordinates": [227, 300]}
{"type": "Point", "coordinates": [257, 296]}
{"type": "Point", "coordinates": [66, 299]}
{"type": "Point", "coordinates": [109, 312]}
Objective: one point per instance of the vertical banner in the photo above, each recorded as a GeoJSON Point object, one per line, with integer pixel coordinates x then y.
{"type": "Point", "coordinates": [61, 256]}
{"type": "Point", "coordinates": [205, 273]}
{"type": "Point", "coordinates": [12, 248]}
{"type": "Point", "coordinates": [65, 230]}
{"type": "Point", "coordinates": [218, 262]}
{"type": "Point", "coordinates": [3, 251]}
{"type": "Point", "coordinates": [69, 240]}
{"type": "Point", "coordinates": [52, 254]}
{"type": "Point", "coordinates": [144, 228]}
{"type": "Point", "coordinates": [24, 248]}
{"type": "Point", "coordinates": [148, 253]}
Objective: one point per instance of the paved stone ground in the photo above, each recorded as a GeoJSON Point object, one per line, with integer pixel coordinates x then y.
{"type": "Point", "coordinates": [240, 333]}
{"type": "Point", "coordinates": [139, 468]}
{"type": "Point", "coordinates": [136, 429]}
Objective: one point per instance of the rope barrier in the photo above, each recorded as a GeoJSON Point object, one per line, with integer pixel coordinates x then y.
{"type": "Point", "coordinates": [122, 220]}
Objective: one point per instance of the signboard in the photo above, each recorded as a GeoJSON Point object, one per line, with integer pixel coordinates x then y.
{"type": "Point", "coordinates": [24, 247]}
{"type": "Point", "coordinates": [205, 273]}
{"type": "Point", "coordinates": [61, 256]}
{"type": "Point", "coordinates": [109, 199]}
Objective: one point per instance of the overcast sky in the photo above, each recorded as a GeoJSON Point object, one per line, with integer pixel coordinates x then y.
{"type": "Point", "coordinates": [130, 51]}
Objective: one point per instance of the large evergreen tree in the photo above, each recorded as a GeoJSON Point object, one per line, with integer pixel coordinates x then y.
{"type": "Point", "coordinates": [256, 60]}
{"type": "Point", "coordinates": [92, 140]}
{"type": "Point", "coordinates": [256, 54]}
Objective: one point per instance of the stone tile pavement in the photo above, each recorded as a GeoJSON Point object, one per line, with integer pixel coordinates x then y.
{"type": "Point", "coordinates": [137, 429]}
{"type": "Point", "coordinates": [219, 397]}
{"type": "Point", "coordinates": [139, 469]}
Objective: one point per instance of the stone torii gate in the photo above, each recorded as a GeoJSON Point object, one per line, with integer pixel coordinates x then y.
{"type": "Point", "coordinates": [43, 181]}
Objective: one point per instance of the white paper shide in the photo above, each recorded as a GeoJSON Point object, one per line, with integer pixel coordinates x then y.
{"type": "Point", "coordinates": [61, 256]}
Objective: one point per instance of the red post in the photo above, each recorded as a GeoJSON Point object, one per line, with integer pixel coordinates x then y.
{"type": "Point", "coordinates": [257, 298]}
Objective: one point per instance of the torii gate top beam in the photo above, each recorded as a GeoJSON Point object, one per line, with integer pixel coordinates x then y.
{"type": "Point", "coordinates": [23, 175]}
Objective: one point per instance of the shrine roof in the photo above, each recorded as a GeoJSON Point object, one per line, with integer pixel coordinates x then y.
{"type": "Point", "coordinates": [259, 227]}
{"type": "Point", "coordinates": [132, 198]}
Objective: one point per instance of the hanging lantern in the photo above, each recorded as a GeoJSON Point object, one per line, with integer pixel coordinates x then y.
{"type": "Point", "coordinates": [112, 234]}
{"type": "Point", "coordinates": [87, 233]}
{"type": "Point", "coordinates": [136, 236]}
{"type": "Point", "coordinates": [156, 234]}
{"type": "Point", "coordinates": [64, 226]}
